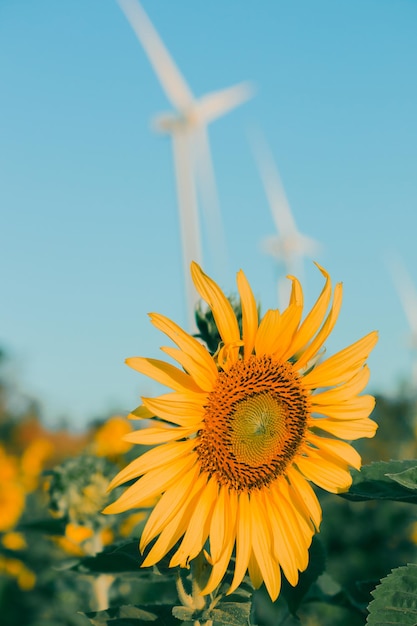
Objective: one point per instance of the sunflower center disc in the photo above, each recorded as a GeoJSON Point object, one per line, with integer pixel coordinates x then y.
{"type": "Point", "coordinates": [257, 428]}
{"type": "Point", "coordinates": [254, 423]}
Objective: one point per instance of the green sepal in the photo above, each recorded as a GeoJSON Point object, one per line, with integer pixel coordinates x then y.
{"type": "Point", "coordinates": [376, 482]}
{"type": "Point", "coordinates": [129, 615]}
{"type": "Point", "coordinates": [395, 599]}
{"type": "Point", "coordinates": [225, 613]}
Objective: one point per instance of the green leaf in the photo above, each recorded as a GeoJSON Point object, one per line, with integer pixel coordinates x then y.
{"type": "Point", "coordinates": [407, 478]}
{"type": "Point", "coordinates": [225, 614]}
{"type": "Point", "coordinates": [395, 599]}
{"type": "Point", "coordinates": [375, 482]}
{"type": "Point", "coordinates": [329, 592]}
{"type": "Point", "coordinates": [316, 565]}
{"type": "Point", "coordinates": [276, 613]}
{"type": "Point", "coordinates": [157, 615]}
{"type": "Point", "coordinates": [124, 557]}
{"type": "Point", "coordinates": [184, 613]}
{"type": "Point", "coordinates": [230, 614]}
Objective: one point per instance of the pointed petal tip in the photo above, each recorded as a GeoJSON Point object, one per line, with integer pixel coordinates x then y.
{"type": "Point", "coordinates": [110, 509]}
{"type": "Point", "coordinates": [322, 270]}
{"type": "Point", "coordinates": [112, 484]}
{"type": "Point", "coordinates": [129, 361]}
{"type": "Point", "coordinates": [195, 267]}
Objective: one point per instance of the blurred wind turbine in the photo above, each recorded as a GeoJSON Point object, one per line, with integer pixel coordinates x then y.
{"type": "Point", "coordinates": [408, 297]}
{"type": "Point", "coordinates": [288, 246]}
{"type": "Point", "coordinates": [187, 126]}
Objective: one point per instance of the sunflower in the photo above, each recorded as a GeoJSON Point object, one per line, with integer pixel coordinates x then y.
{"type": "Point", "coordinates": [243, 433]}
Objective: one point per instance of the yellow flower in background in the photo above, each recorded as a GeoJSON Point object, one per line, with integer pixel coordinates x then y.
{"type": "Point", "coordinates": [15, 568]}
{"type": "Point", "coordinates": [80, 540]}
{"type": "Point", "coordinates": [9, 466]}
{"type": "Point", "coordinates": [14, 541]}
{"type": "Point", "coordinates": [33, 461]}
{"type": "Point", "coordinates": [19, 476]}
{"type": "Point", "coordinates": [244, 431]}
{"type": "Point", "coordinates": [108, 438]}
{"type": "Point", "coordinates": [129, 524]}
{"type": "Point", "coordinates": [12, 492]}
{"type": "Point", "coordinates": [72, 541]}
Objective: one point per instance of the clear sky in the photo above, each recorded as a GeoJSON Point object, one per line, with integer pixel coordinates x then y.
{"type": "Point", "coordinates": [89, 229]}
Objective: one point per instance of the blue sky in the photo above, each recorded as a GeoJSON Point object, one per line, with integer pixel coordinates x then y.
{"type": "Point", "coordinates": [90, 235]}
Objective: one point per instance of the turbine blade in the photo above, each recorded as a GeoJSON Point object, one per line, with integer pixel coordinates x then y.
{"type": "Point", "coordinates": [206, 186]}
{"type": "Point", "coordinates": [407, 293]}
{"type": "Point", "coordinates": [218, 103]}
{"type": "Point", "coordinates": [167, 72]}
{"type": "Point", "coordinates": [188, 214]}
{"type": "Point", "coordinates": [277, 199]}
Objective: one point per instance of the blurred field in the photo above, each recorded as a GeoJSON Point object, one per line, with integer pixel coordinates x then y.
{"type": "Point", "coordinates": [53, 487]}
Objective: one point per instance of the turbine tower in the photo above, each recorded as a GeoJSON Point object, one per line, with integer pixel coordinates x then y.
{"type": "Point", "coordinates": [408, 297]}
{"type": "Point", "coordinates": [187, 126]}
{"type": "Point", "coordinates": [288, 247]}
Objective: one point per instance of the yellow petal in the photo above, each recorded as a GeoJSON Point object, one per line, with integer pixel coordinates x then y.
{"type": "Point", "coordinates": [325, 474]}
{"type": "Point", "coordinates": [176, 408]}
{"type": "Point", "coordinates": [222, 537]}
{"type": "Point", "coordinates": [178, 525]}
{"type": "Point", "coordinates": [219, 524]}
{"type": "Point", "coordinates": [303, 493]}
{"type": "Point", "coordinates": [281, 538]}
{"type": "Point", "coordinates": [168, 537]}
{"type": "Point", "coordinates": [268, 331]}
{"type": "Point", "coordinates": [188, 344]}
{"type": "Point", "coordinates": [314, 319]}
{"type": "Point", "coordinates": [346, 429]}
{"type": "Point", "coordinates": [249, 313]}
{"type": "Point", "coordinates": [336, 449]}
{"type": "Point", "coordinates": [170, 503]}
{"type": "Point", "coordinates": [296, 297]}
{"type": "Point", "coordinates": [325, 330]}
{"type": "Point", "coordinates": [243, 540]}
{"type": "Point", "coordinates": [163, 373]}
{"type": "Point", "coordinates": [340, 367]}
{"type": "Point", "coordinates": [355, 408]}
{"type": "Point", "coordinates": [141, 413]}
{"type": "Point", "coordinates": [255, 573]}
{"type": "Point", "coordinates": [192, 367]}
{"type": "Point", "coordinates": [151, 484]}
{"type": "Point", "coordinates": [222, 310]}
{"type": "Point", "coordinates": [299, 528]}
{"type": "Point", "coordinates": [220, 567]}
{"type": "Point", "coordinates": [290, 320]}
{"type": "Point", "coordinates": [198, 526]}
{"type": "Point", "coordinates": [262, 546]}
{"type": "Point", "coordinates": [343, 392]}
{"type": "Point", "coordinates": [165, 454]}
{"type": "Point", "coordinates": [158, 434]}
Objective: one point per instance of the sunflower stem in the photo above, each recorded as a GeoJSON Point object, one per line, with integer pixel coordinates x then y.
{"type": "Point", "coordinates": [183, 596]}
{"type": "Point", "coordinates": [199, 576]}
{"type": "Point", "coordinates": [102, 583]}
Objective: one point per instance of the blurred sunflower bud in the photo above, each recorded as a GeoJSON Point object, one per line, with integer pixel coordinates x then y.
{"type": "Point", "coordinates": [77, 490]}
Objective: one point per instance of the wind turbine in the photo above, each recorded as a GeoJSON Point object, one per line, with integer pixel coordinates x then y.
{"type": "Point", "coordinates": [187, 126]}
{"type": "Point", "coordinates": [288, 246]}
{"type": "Point", "coordinates": [408, 297]}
